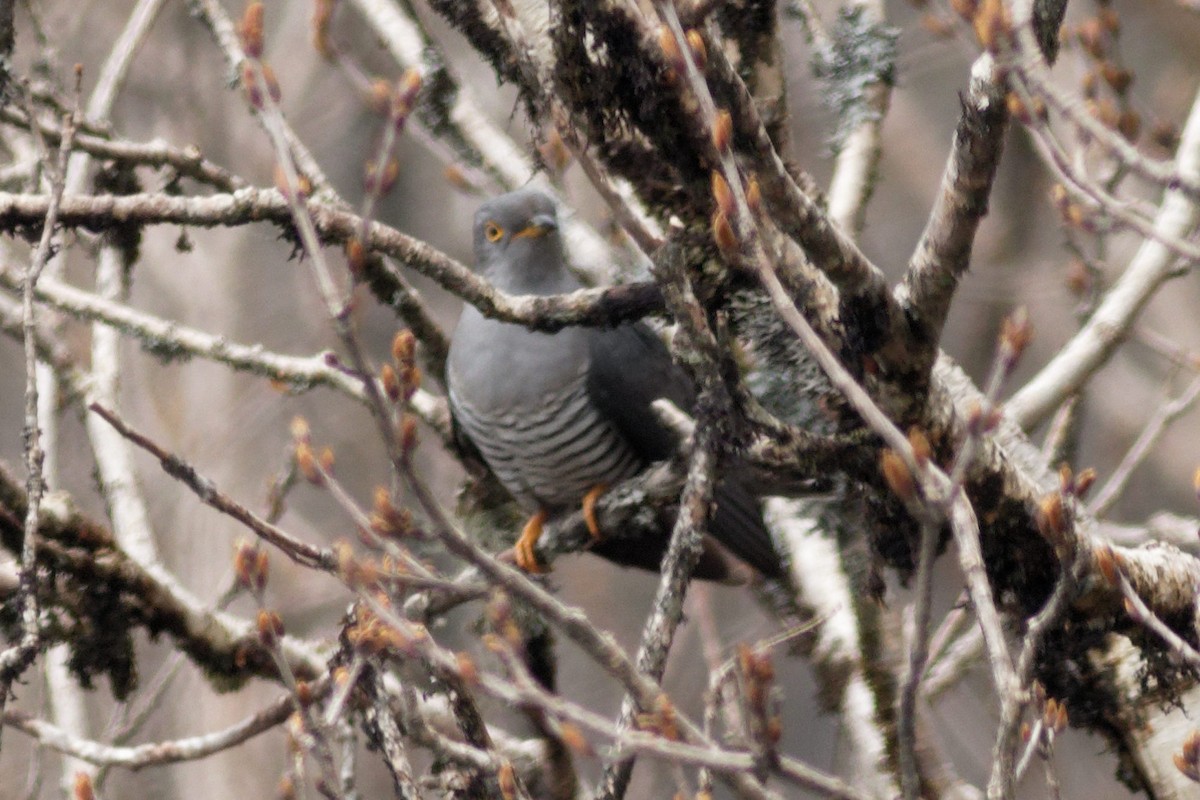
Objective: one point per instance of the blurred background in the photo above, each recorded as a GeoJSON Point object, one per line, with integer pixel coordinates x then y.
{"type": "Point", "coordinates": [246, 285]}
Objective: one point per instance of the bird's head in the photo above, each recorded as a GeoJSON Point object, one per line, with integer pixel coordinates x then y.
{"type": "Point", "coordinates": [517, 243]}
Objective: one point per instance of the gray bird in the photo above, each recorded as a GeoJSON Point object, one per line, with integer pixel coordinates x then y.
{"type": "Point", "coordinates": [560, 416]}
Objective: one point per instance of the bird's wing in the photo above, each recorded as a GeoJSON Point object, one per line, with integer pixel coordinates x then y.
{"type": "Point", "coordinates": [631, 368]}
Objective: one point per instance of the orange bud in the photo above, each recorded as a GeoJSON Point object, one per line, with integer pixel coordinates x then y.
{"type": "Point", "coordinates": [1075, 216]}
{"type": "Point", "coordinates": [991, 23]}
{"type": "Point", "coordinates": [302, 188]}
{"type": "Point", "coordinates": [83, 789]}
{"type": "Point", "coordinates": [455, 176]}
{"type": "Point", "coordinates": [1016, 332]}
{"type": "Point", "coordinates": [896, 474]}
{"type": "Point", "coordinates": [1039, 108]}
{"type": "Point", "coordinates": [321, 20]}
{"type": "Point", "coordinates": [1191, 747]}
{"type": "Point", "coordinates": [917, 440]}
{"type": "Point", "coordinates": [261, 568]}
{"type": "Point", "coordinates": [756, 695]}
{"type": "Point", "coordinates": [774, 730]}
{"type": "Point", "coordinates": [1052, 515]}
{"type": "Point", "coordinates": [1059, 196]}
{"type": "Point", "coordinates": [1091, 35]}
{"type": "Point", "coordinates": [379, 95]}
{"type": "Point", "coordinates": [1016, 107]}
{"type": "Point", "coordinates": [1061, 719]}
{"type": "Point", "coordinates": [466, 668]}
{"type": "Point", "coordinates": [1132, 610]}
{"type": "Point", "coordinates": [554, 151]}
{"type": "Point", "coordinates": [404, 349]}
{"type": "Point", "coordinates": [722, 194]}
{"type": "Point", "coordinates": [506, 777]}
{"type": "Point", "coordinates": [380, 182]}
{"type": "Point", "coordinates": [250, 30]}
{"type": "Point", "coordinates": [343, 552]}
{"type": "Point", "coordinates": [1165, 135]}
{"type": "Point", "coordinates": [1066, 478]}
{"type": "Point", "coordinates": [574, 739]}
{"type": "Point", "coordinates": [306, 462]}
{"type": "Point", "coordinates": [386, 519]}
{"type": "Point", "coordinates": [665, 711]}
{"type": "Point", "coordinates": [980, 420]}
{"type": "Point", "coordinates": [670, 49]}
{"type": "Point", "coordinates": [722, 133]}
{"type": "Point", "coordinates": [407, 89]}
{"type": "Point", "coordinates": [299, 429]}
{"type": "Point", "coordinates": [270, 627]}
{"type": "Point", "coordinates": [242, 561]}
{"type": "Point", "coordinates": [391, 383]}
{"type": "Point", "coordinates": [391, 172]}
{"type": "Point", "coordinates": [965, 8]}
{"type": "Point", "coordinates": [1109, 19]}
{"type": "Point", "coordinates": [1129, 125]}
{"type": "Point", "coordinates": [745, 657]}
{"type": "Point", "coordinates": [272, 82]}
{"type": "Point", "coordinates": [1026, 113]}
{"type": "Point", "coordinates": [1050, 713]}
{"type": "Point", "coordinates": [699, 52]}
{"type": "Point", "coordinates": [356, 256]}
{"type": "Point", "coordinates": [250, 85]}
{"type": "Point", "coordinates": [754, 196]}
{"type": "Point", "coordinates": [1106, 562]}
{"type": "Point", "coordinates": [408, 434]}
{"type": "Point", "coordinates": [764, 667]}
{"type": "Point", "coordinates": [1084, 481]}
{"type": "Point", "coordinates": [411, 380]}
{"type": "Point", "coordinates": [1116, 77]}
{"type": "Point", "coordinates": [1105, 110]}
{"type": "Point", "coordinates": [251, 565]}
{"type": "Point", "coordinates": [1090, 83]}
{"type": "Point", "coordinates": [723, 235]}
{"type": "Point", "coordinates": [1078, 279]}
{"type": "Point", "coordinates": [1186, 767]}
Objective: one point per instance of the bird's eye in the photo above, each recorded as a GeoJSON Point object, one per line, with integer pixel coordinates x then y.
{"type": "Point", "coordinates": [493, 232]}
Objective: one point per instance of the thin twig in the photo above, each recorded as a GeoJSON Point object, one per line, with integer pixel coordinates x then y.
{"type": "Point", "coordinates": [1164, 415]}
{"type": "Point", "coordinates": [918, 653]}
{"type": "Point", "coordinates": [1154, 263]}
{"type": "Point", "coordinates": [601, 306]}
{"type": "Point", "coordinates": [159, 753]}
{"type": "Point", "coordinates": [301, 552]}
{"type": "Point", "coordinates": [18, 657]}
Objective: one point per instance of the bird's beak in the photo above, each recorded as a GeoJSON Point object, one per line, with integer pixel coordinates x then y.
{"type": "Point", "coordinates": [538, 227]}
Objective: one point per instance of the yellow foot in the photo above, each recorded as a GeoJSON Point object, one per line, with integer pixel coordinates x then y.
{"type": "Point", "coordinates": [589, 509]}
{"type": "Point", "coordinates": [523, 549]}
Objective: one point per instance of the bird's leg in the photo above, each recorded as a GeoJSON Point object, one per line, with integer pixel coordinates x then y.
{"type": "Point", "coordinates": [589, 508]}
{"type": "Point", "coordinates": [523, 549]}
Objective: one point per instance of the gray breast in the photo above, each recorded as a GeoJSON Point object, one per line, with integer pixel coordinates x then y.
{"type": "Point", "coordinates": [548, 454]}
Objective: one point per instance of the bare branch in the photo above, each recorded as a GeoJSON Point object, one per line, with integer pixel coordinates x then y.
{"type": "Point", "coordinates": [1153, 265]}
{"type": "Point", "coordinates": [156, 754]}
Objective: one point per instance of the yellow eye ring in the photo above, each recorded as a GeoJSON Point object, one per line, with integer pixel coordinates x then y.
{"type": "Point", "coordinates": [493, 232]}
